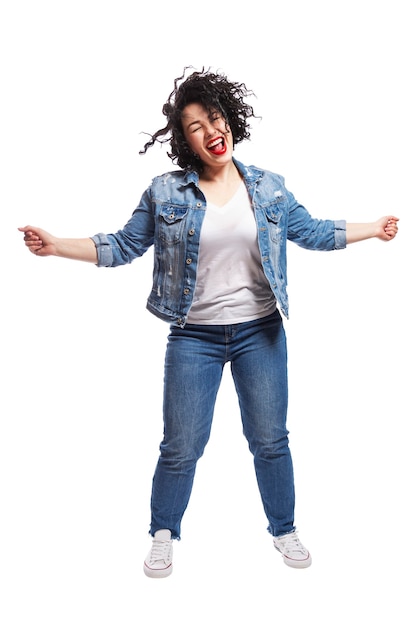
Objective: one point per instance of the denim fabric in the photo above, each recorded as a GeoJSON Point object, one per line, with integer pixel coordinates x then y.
{"type": "Point", "coordinates": [169, 217]}
{"type": "Point", "coordinates": [195, 359]}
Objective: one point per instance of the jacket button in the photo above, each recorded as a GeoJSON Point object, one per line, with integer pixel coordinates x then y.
{"type": "Point", "coordinates": [186, 291]}
{"type": "Point", "coordinates": [191, 231]}
{"type": "Point", "coordinates": [198, 204]}
{"type": "Point", "coordinates": [189, 261]}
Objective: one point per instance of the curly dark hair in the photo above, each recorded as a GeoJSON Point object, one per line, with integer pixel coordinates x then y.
{"type": "Point", "coordinates": [215, 93]}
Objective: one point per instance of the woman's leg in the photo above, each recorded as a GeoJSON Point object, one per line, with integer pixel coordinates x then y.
{"type": "Point", "coordinates": [259, 368]}
{"type": "Point", "coordinates": [193, 370]}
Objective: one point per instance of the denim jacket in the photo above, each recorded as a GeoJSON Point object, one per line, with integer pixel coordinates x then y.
{"type": "Point", "coordinates": [170, 215]}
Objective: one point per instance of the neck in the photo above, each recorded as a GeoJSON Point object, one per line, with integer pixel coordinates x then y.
{"type": "Point", "coordinates": [220, 184]}
{"type": "Point", "coordinates": [225, 174]}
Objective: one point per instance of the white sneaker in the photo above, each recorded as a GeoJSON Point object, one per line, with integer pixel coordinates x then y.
{"type": "Point", "coordinates": [292, 550]}
{"type": "Point", "coordinates": [158, 563]}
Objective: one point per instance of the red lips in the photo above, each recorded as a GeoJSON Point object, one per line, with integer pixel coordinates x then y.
{"type": "Point", "coordinates": [217, 146]}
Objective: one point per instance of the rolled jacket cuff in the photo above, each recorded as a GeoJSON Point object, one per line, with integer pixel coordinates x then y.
{"type": "Point", "coordinates": [104, 250]}
{"type": "Point", "coordinates": [340, 234]}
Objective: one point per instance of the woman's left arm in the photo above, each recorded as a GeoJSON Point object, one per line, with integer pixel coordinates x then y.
{"type": "Point", "coordinates": [385, 229]}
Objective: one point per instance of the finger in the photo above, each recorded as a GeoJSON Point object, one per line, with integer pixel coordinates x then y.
{"type": "Point", "coordinates": [25, 229]}
{"type": "Point", "coordinates": [35, 249]}
{"type": "Point", "coordinates": [32, 240]}
{"type": "Point", "coordinates": [37, 243]}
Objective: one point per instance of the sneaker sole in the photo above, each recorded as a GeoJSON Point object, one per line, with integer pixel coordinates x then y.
{"type": "Point", "coordinates": [294, 563]}
{"type": "Point", "coordinates": [157, 573]}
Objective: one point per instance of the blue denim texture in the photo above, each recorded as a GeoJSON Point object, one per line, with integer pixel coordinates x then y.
{"type": "Point", "coordinates": [169, 217]}
{"type": "Point", "coordinates": [194, 363]}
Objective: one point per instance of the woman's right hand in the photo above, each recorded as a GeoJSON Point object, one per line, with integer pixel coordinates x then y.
{"type": "Point", "coordinates": [39, 241]}
{"type": "Point", "coordinates": [42, 243]}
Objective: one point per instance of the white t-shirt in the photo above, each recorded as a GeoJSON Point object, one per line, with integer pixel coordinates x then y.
{"type": "Point", "coordinates": [231, 285]}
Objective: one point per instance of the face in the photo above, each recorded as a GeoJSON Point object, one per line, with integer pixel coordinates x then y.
{"type": "Point", "coordinates": [207, 135]}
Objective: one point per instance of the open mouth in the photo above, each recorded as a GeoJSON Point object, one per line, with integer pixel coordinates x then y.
{"type": "Point", "coordinates": [217, 146]}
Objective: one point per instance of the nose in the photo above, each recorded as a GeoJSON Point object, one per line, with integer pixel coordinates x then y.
{"type": "Point", "coordinates": [211, 129]}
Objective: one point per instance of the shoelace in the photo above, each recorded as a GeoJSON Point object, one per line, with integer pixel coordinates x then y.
{"type": "Point", "coordinates": [160, 550]}
{"type": "Point", "coordinates": [291, 543]}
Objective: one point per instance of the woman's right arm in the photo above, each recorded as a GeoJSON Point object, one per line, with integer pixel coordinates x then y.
{"type": "Point", "coordinates": [42, 243]}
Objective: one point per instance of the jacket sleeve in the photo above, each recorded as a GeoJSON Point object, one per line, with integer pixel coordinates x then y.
{"type": "Point", "coordinates": [312, 233]}
{"type": "Point", "coordinates": [132, 241]}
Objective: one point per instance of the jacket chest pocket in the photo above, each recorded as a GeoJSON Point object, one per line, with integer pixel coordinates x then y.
{"type": "Point", "coordinates": [171, 224]}
{"type": "Point", "coordinates": [273, 217]}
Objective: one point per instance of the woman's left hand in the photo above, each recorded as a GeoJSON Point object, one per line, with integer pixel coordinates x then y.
{"type": "Point", "coordinates": [387, 227]}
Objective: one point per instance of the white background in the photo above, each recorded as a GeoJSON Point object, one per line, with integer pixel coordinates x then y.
{"type": "Point", "coordinates": [82, 359]}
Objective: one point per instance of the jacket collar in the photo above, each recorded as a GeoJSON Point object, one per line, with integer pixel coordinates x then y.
{"type": "Point", "coordinates": [250, 173]}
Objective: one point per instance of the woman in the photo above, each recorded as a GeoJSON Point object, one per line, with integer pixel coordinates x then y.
{"type": "Point", "coordinates": [219, 230]}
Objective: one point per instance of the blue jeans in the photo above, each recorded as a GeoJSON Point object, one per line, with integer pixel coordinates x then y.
{"type": "Point", "coordinates": [194, 362]}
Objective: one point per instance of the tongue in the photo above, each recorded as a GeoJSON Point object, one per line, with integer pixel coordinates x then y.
{"type": "Point", "coordinates": [218, 148]}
